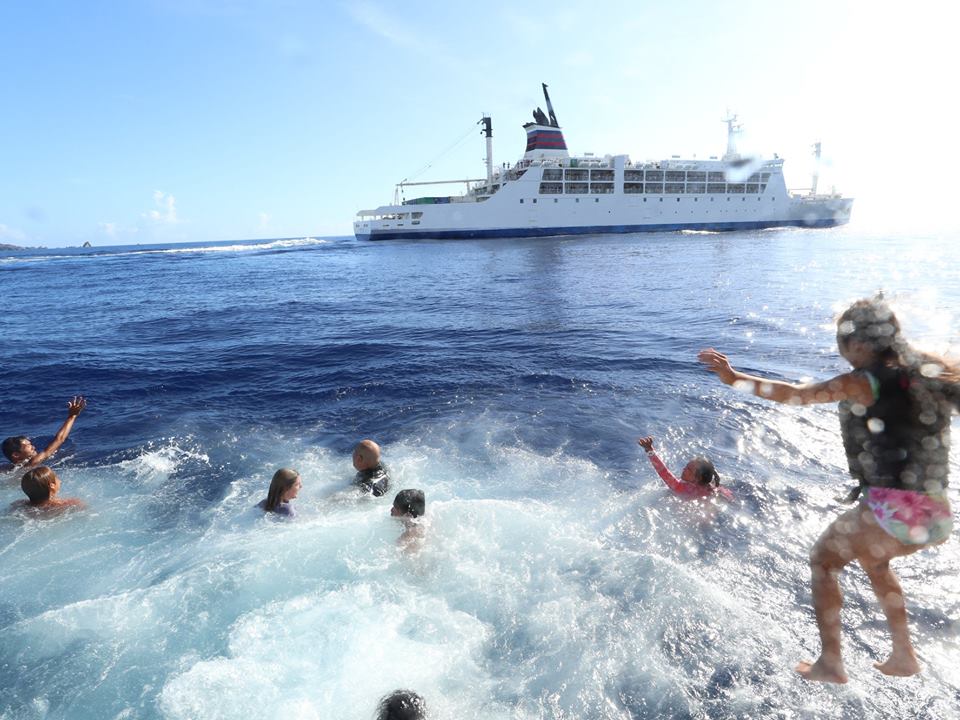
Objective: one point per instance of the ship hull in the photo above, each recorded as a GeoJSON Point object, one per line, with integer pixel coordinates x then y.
{"type": "Point", "coordinates": [515, 212]}
{"type": "Point", "coordinates": [527, 232]}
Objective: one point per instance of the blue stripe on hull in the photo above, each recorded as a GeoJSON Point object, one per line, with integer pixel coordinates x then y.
{"type": "Point", "coordinates": [590, 230]}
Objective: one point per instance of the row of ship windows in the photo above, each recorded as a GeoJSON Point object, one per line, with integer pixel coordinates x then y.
{"type": "Point", "coordinates": [697, 176]}
{"type": "Point", "coordinates": [534, 201]}
{"type": "Point", "coordinates": [415, 216]}
{"type": "Point", "coordinates": [635, 188]}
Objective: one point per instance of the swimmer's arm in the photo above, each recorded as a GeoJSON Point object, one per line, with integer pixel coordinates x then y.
{"type": "Point", "coordinates": [668, 477]}
{"type": "Point", "coordinates": [849, 386]}
{"type": "Point", "coordinates": [74, 408]}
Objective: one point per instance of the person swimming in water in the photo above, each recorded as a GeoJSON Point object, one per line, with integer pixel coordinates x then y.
{"type": "Point", "coordinates": [41, 486]}
{"type": "Point", "coordinates": [895, 408]}
{"type": "Point", "coordinates": [372, 475]}
{"type": "Point", "coordinates": [402, 705]}
{"type": "Point", "coordinates": [284, 487]}
{"type": "Point", "coordinates": [699, 478]}
{"type": "Point", "coordinates": [408, 506]}
{"type": "Point", "coordinates": [21, 453]}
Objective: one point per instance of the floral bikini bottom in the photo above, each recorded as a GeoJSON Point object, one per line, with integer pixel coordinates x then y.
{"type": "Point", "coordinates": [913, 518]}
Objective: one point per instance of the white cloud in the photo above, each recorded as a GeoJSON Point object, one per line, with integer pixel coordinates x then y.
{"type": "Point", "coordinates": [403, 34]}
{"type": "Point", "coordinates": [264, 220]}
{"type": "Point", "coordinates": [166, 208]}
{"type": "Point", "coordinates": [114, 230]}
{"type": "Point", "coordinates": [9, 233]}
{"type": "Point", "coordinates": [375, 19]}
{"type": "Point", "coordinates": [581, 58]}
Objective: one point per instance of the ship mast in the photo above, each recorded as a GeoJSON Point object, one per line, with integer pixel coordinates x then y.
{"type": "Point", "coordinates": [553, 115]}
{"type": "Point", "coordinates": [488, 132]}
{"type": "Point", "coordinates": [816, 168]}
{"type": "Point", "coordinates": [733, 129]}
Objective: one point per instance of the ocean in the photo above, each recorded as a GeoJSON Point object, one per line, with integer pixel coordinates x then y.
{"type": "Point", "coordinates": [509, 380]}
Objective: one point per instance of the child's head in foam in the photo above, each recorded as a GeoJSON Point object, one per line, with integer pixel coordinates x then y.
{"type": "Point", "coordinates": [409, 504]}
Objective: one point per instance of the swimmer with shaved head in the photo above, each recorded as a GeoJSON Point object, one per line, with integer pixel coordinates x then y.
{"type": "Point", "coordinates": [372, 475]}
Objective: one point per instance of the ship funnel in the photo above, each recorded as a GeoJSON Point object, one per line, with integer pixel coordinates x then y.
{"type": "Point", "coordinates": [544, 137]}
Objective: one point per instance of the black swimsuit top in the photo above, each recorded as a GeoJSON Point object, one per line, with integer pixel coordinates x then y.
{"type": "Point", "coordinates": [903, 440]}
{"type": "Point", "coordinates": [375, 480]}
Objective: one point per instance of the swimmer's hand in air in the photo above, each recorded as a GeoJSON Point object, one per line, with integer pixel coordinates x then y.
{"type": "Point", "coordinates": [646, 443]}
{"type": "Point", "coordinates": [76, 406]}
{"type": "Point", "coordinates": [717, 362]}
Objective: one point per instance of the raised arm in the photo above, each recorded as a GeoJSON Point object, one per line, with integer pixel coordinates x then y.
{"type": "Point", "coordinates": [662, 470]}
{"type": "Point", "coordinates": [849, 386]}
{"type": "Point", "coordinates": [74, 408]}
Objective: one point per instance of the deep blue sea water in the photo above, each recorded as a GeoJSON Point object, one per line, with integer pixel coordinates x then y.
{"type": "Point", "coordinates": [509, 380]}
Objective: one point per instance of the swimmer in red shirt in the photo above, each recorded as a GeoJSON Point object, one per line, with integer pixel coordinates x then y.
{"type": "Point", "coordinates": [698, 479]}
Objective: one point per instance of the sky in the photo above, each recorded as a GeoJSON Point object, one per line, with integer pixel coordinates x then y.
{"type": "Point", "coordinates": [146, 121]}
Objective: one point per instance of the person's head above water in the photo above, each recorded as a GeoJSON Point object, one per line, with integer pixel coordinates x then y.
{"type": "Point", "coordinates": [18, 448]}
{"type": "Point", "coordinates": [409, 503]}
{"type": "Point", "coordinates": [283, 487]}
{"type": "Point", "coordinates": [868, 332]}
{"type": "Point", "coordinates": [700, 471]}
{"type": "Point", "coordinates": [40, 485]}
{"type": "Point", "coordinates": [366, 455]}
{"type": "Point", "coordinates": [402, 705]}
{"type": "Point", "coordinates": [20, 451]}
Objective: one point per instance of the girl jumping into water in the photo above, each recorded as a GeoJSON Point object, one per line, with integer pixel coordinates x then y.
{"type": "Point", "coordinates": [895, 408]}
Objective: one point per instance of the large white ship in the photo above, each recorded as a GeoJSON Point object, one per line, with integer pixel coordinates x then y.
{"type": "Point", "coordinates": [551, 193]}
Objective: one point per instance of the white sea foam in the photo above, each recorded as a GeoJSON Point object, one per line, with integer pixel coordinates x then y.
{"type": "Point", "coordinates": [541, 591]}
{"type": "Point", "coordinates": [186, 248]}
{"type": "Point", "coordinates": [161, 459]}
{"type": "Point", "coordinates": [237, 247]}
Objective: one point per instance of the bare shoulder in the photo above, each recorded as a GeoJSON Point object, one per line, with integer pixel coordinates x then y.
{"type": "Point", "coordinates": [72, 503]}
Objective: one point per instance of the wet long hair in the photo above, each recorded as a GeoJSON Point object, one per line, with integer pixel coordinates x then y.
{"type": "Point", "coordinates": [872, 323]}
{"type": "Point", "coordinates": [705, 472]}
{"type": "Point", "coordinates": [283, 480]}
{"type": "Point", "coordinates": [402, 705]}
{"type": "Point", "coordinates": [38, 483]}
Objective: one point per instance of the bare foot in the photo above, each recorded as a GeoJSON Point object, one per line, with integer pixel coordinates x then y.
{"type": "Point", "coordinates": [822, 671]}
{"type": "Point", "coordinates": [903, 665]}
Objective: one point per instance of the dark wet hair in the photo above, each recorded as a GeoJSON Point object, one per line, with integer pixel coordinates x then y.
{"type": "Point", "coordinates": [402, 705]}
{"type": "Point", "coordinates": [37, 484]}
{"type": "Point", "coordinates": [705, 472]}
{"type": "Point", "coordinates": [283, 480]}
{"type": "Point", "coordinates": [12, 445]}
{"type": "Point", "coordinates": [871, 322]}
{"type": "Point", "coordinates": [410, 502]}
